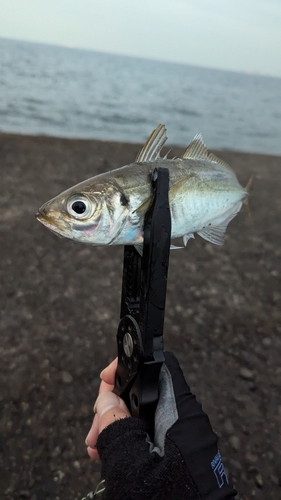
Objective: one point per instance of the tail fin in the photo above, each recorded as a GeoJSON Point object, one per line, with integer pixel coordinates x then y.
{"type": "Point", "coordinates": [250, 183]}
{"type": "Point", "coordinates": [246, 200]}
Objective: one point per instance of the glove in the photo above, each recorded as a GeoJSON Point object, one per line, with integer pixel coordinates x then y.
{"type": "Point", "coordinates": [183, 463]}
{"type": "Point", "coordinates": [189, 429]}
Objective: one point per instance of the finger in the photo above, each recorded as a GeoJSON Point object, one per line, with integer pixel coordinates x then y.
{"type": "Point", "coordinates": [92, 437]}
{"type": "Point", "coordinates": [104, 387]}
{"type": "Point", "coordinates": [110, 408]}
{"type": "Point", "coordinates": [93, 453]}
{"type": "Point", "coordinates": [108, 374]}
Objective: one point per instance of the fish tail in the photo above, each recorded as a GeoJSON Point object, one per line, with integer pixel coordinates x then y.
{"type": "Point", "coordinates": [246, 199]}
{"type": "Point", "coordinates": [250, 183]}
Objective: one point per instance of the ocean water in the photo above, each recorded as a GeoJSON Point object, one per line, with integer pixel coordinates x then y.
{"type": "Point", "coordinates": [66, 92]}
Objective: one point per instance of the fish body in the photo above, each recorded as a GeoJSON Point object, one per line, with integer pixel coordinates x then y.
{"type": "Point", "coordinates": [109, 208]}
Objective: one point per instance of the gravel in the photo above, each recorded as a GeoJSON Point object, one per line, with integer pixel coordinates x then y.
{"type": "Point", "coordinates": [60, 311]}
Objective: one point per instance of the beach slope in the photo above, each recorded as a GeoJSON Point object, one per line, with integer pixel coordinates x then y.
{"type": "Point", "coordinates": [60, 311]}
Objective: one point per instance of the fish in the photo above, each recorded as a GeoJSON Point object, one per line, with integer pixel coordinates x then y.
{"type": "Point", "coordinates": [109, 209]}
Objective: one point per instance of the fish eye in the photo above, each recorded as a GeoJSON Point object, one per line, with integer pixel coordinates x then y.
{"type": "Point", "coordinates": [79, 207]}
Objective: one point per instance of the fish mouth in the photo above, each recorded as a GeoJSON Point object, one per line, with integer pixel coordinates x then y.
{"type": "Point", "coordinates": [50, 223]}
{"type": "Point", "coordinates": [43, 217]}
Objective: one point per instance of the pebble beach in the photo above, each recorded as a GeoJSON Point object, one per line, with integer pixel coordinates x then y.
{"type": "Point", "coordinates": [60, 311]}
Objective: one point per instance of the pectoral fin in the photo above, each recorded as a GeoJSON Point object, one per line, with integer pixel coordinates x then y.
{"type": "Point", "coordinates": [139, 249]}
{"type": "Point", "coordinates": [173, 191]}
{"type": "Point", "coordinates": [177, 186]}
{"type": "Point", "coordinates": [143, 207]}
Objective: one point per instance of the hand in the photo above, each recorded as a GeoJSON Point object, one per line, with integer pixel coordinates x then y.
{"type": "Point", "coordinates": [108, 408]}
{"type": "Point", "coordinates": [183, 463]}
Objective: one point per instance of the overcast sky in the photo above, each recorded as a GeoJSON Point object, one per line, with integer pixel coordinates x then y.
{"type": "Point", "coordinates": [242, 35]}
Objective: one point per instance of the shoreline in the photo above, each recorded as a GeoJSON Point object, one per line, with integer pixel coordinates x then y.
{"type": "Point", "coordinates": [126, 143]}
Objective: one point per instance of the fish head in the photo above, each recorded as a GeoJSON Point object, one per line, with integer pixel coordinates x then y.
{"type": "Point", "coordinates": [93, 212]}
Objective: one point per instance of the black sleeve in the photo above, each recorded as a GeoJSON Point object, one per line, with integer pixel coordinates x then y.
{"type": "Point", "coordinates": [132, 472]}
{"type": "Point", "coordinates": [188, 466]}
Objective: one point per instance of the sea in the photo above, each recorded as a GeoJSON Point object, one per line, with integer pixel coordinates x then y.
{"type": "Point", "coordinates": [67, 92]}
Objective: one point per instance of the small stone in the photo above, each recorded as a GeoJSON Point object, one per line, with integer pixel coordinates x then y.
{"type": "Point", "coordinates": [60, 475]}
{"type": "Point", "coordinates": [246, 374]}
{"type": "Point", "coordinates": [50, 486]}
{"type": "Point", "coordinates": [228, 426]}
{"type": "Point", "coordinates": [192, 377]}
{"type": "Point", "coordinates": [252, 469]}
{"type": "Point", "coordinates": [56, 452]}
{"type": "Point", "coordinates": [251, 458]}
{"type": "Point", "coordinates": [234, 464]}
{"type": "Point", "coordinates": [252, 386]}
{"type": "Point", "coordinates": [267, 341]}
{"type": "Point", "coordinates": [274, 479]}
{"type": "Point", "coordinates": [66, 377]}
{"type": "Point", "coordinates": [24, 494]}
{"type": "Point", "coordinates": [259, 480]}
{"type": "Point", "coordinates": [235, 442]}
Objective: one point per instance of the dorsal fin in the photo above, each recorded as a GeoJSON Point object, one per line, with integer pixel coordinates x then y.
{"type": "Point", "coordinates": [197, 150]}
{"type": "Point", "coordinates": [218, 161]}
{"type": "Point", "coordinates": [166, 155]}
{"type": "Point", "coordinates": [151, 149]}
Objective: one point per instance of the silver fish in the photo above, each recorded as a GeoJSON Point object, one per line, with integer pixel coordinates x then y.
{"type": "Point", "coordinates": [109, 209]}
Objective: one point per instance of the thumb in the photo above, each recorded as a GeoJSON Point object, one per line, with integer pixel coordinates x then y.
{"type": "Point", "coordinates": [109, 408]}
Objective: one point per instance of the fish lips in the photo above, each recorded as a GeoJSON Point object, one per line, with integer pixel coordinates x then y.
{"type": "Point", "coordinates": [50, 222]}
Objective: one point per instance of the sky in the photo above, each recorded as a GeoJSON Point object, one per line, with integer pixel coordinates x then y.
{"type": "Point", "coordinates": [239, 35]}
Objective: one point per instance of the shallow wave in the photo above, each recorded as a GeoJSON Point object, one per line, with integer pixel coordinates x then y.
{"type": "Point", "coordinates": [75, 93]}
{"type": "Point", "coordinates": [122, 119]}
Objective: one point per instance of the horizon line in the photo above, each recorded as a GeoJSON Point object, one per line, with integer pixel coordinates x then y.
{"type": "Point", "coordinates": [181, 63]}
